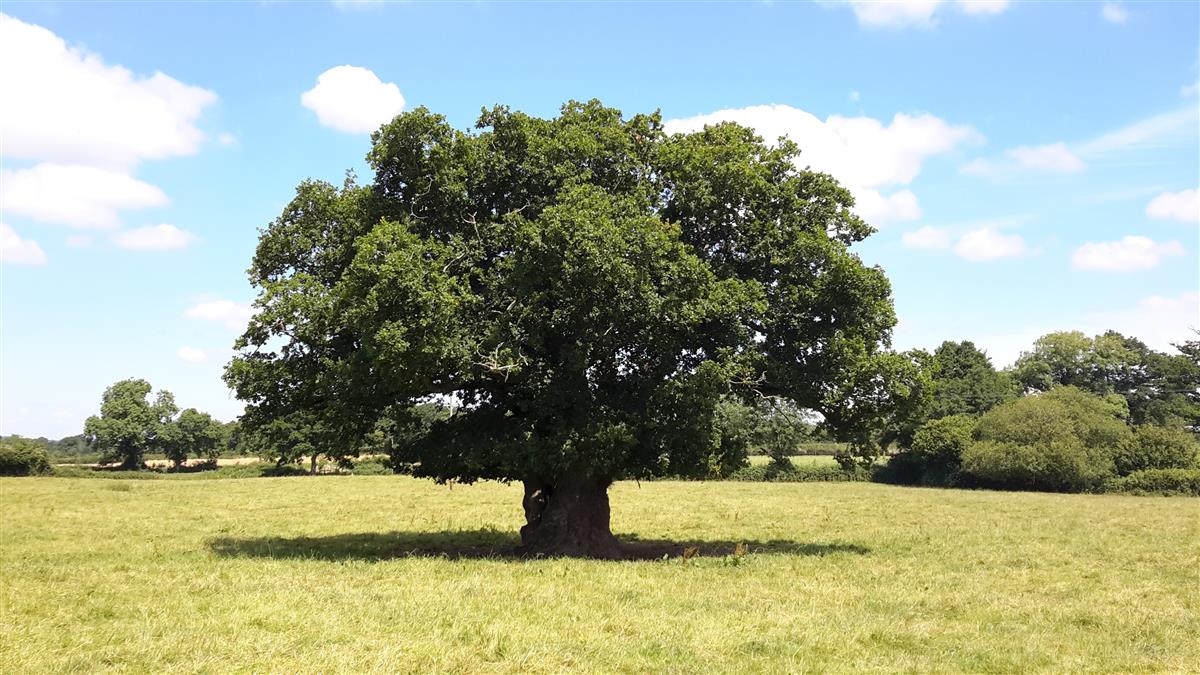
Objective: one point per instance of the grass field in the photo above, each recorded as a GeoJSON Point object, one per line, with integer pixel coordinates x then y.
{"type": "Point", "coordinates": [359, 573]}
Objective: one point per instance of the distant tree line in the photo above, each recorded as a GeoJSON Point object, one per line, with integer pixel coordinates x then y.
{"type": "Point", "coordinates": [1072, 412]}
{"type": "Point", "coordinates": [132, 425]}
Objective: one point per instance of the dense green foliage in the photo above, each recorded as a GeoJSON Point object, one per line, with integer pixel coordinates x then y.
{"type": "Point", "coordinates": [1154, 447]}
{"type": "Point", "coordinates": [938, 446]}
{"type": "Point", "coordinates": [965, 382]}
{"type": "Point", "coordinates": [22, 457]}
{"type": "Point", "coordinates": [1059, 465]}
{"type": "Point", "coordinates": [587, 288]}
{"type": "Point", "coordinates": [1061, 440]}
{"type": "Point", "coordinates": [130, 425]}
{"type": "Point", "coordinates": [1159, 388]}
{"type": "Point", "coordinates": [775, 472]}
{"type": "Point", "coordinates": [193, 433]}
{"type": "Point", "coordinates": [883, 401]}
{"type": "Point", "coordinates": [1167, 482]}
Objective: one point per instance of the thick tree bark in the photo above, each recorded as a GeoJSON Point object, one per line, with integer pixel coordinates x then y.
{"type": "Point", "coordinates": [568, 518]}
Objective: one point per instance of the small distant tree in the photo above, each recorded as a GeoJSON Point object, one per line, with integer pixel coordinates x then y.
{"type": "Point", "coordinates": [965, 382]}
{"type": "Point", "coordinates": [194, 433]}
{"type": "Point", "coordinates": [1061, 358]}
{"type": "Point", "coordinates": [130, 424]}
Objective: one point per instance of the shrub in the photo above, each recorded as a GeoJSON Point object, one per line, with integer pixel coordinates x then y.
{"type": "Point", "coordinates": [1065, 465]}
{"type": "Point", "coordinates": [938, 445]}
{"type": "Point", "coordinates": [1158, 481]}
{"type": "Point", "coordinates": [1062, 440]}
{"type": "Point", "coordinates": [901, 469]}
{"type": "Point", "coordinates": [23, 457]}
{"type": "Point", "coordinates": [1155, 447]}
{"type": "Point", "coordinates": [370, 467]}
{"type": "Point", "coordinates": [1059, 414]}
{"type": "Point", "coordinates": [774, 473]}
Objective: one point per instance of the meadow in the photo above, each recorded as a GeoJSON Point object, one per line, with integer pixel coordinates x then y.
{"type": "Point", "coordinates": [386, 573]}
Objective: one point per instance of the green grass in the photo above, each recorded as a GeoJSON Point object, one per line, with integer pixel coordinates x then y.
{"type": "Point", "coordinates": [361, 573]}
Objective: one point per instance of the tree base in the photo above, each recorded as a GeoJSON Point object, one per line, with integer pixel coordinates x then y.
{"type": "Point", "coordinates": [569, 518]}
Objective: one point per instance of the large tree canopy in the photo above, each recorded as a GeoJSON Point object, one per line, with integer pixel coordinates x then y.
{"type": "Point", "coordinates": [584, 288]}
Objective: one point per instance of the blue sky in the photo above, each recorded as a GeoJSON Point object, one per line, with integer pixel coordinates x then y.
{"type": "Point", "coordinates": [1031, 166]}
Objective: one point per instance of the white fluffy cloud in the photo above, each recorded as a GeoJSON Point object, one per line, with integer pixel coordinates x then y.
{"type": "Point", "coordinates": [990, 244]}
{"type": "Point", "coordinates": [353, 99]}
{"type": "Point", "coordinates": [1114, 13]}
{"type": "Point", "coordinates": [17, 251]}
{"type": "Point", "coordinates": [879, 209]}
{"type": "Point", "coordinates": [85, 125]}
{"type": "Point", "coordinates": [154, 238]}
{"type": "Point", "coordinates": [862, 152]}
{"type": "Point", "coordinates": [232, 314]}
{"type": "Point", "coordinates": [916, 13]}
{"type": "Point", "coordinates": [1129, 254]}
{"type": "Point", "coordinates": [1055, 157]}
{"type": "Point", "coordinates": [79, 196]}
{"type": "Point", "coordinates": [1183, 206]}
{"type": "Point", "coordinates": [928, 237]}
{"type": "Point", "coordinates": [191, 354]}
{"type": "Point", "coordinates": [65, 105]}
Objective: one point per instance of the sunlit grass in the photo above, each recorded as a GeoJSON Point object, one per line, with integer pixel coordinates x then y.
{"type": "Point", "coordinates": [351, 574]}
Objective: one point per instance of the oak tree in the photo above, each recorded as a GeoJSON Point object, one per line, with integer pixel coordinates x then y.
{"type": "Point", "coordinates": [130, 424]}
{"type": "Point", "coordinates": [585, 289]}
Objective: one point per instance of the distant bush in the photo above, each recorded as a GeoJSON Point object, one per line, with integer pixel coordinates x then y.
{"type": "Point", "coordinates": [902, 469]}
{"type": "Point", "coordinates": [371, 467]}
{"type": "Point", "coordinates": [1060, 441]}
{"type": "Point", "coordinates": [71, 471]}
{"type": "Point", "coordinates": [1155, 447]}
{"type": "Point", "coordinates": [1059, 466]}
{"type": "Point", "coordinates": [23, 457]}
{"type": "Point", "coordinates": [936, 451]}
{"type": "Point", "coordinates": [1169, 482]}
{"type": "Point", "coordinates": [1059, 414]}
{"type": "Point", "coordinates": [819, 448]}
{"type": "Point", "coordinates": [775, 473]}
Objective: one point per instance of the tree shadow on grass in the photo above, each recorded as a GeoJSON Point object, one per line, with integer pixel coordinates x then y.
{"type": "Point", "coordinates": [491, 544]}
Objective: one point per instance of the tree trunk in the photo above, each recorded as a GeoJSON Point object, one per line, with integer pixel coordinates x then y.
{"type": "Point", "coordinates": [313, 471]}
{"type": "Point", "coordinates": [568, 518]}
